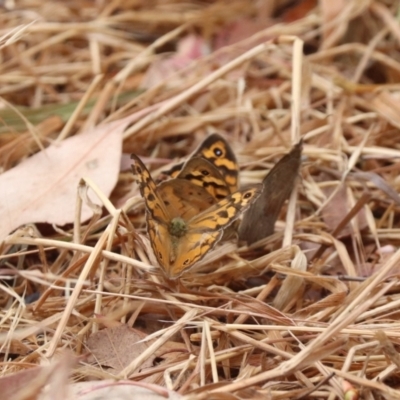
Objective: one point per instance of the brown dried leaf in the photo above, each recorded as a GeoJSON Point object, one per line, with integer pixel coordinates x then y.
{"type": "Point", "coordinates": [336, 209]}
{"type": "Point", "coordinates": [116, 347]}
{"type": "Point", "coordinates": [43, 188]}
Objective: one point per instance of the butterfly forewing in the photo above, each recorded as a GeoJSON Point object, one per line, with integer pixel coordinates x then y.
{"type": "Point", "coordinates": [183, 198]}
{"type": "Point", "coordinates": [159, 240]}
{"type": "Point", "coordinates": [148, 189]}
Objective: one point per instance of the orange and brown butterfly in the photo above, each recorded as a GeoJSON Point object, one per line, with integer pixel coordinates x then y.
{"type": "Point", "coordinates": [183, 221]}
{"type": "Point", "coordinates": [221, 167]}
{"type": "Point", "coordinates": [259, 220]}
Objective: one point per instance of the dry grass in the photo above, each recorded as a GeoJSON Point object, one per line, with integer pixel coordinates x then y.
{"type": "Point", "coordinates": [306, 312]}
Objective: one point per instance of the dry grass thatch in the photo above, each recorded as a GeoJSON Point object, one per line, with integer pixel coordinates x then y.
{"type": "Point", "coordinates": [309, 312]}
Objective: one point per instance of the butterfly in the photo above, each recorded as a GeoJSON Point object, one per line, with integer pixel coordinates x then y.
{"type": "Point", "coordinates": [221, 166]}
{"type": "Point", "coordinates": [184, 220]}
{"type": "Point", "coordinates": [259, 221]}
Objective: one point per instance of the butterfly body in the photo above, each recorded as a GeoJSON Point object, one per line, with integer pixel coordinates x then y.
{"type": "Point", "coordinates": [177, 227]}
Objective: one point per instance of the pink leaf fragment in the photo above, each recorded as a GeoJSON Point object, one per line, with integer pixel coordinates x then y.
{"type": "Point", "coordinates": [189, 48]}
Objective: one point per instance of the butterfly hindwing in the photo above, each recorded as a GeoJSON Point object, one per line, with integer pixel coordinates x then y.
{"type": "Point", "coordinates": [218, 152]}
{"type": "Point", "coordinates": [220, 157]}
{"type": "Point", "coordinates": [206, 229]}
{"type": "Point", "coordinates": [226, 211]}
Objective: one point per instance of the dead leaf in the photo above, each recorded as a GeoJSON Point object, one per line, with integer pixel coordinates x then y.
{"type": "Point", "coordinates": [41, 383]}
{"type": "Point", "coordinates": [11, 383]}
{"type": "Point", "coordinates": [43, 188]}
{"type": "Point", "coordinates": [116, 347]}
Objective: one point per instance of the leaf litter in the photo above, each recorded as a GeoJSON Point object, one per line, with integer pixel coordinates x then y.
{"type": "Point", "coordinates": [310, 311]}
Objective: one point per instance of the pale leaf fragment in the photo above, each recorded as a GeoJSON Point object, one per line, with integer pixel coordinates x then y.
{"type": "Point", "coordinates": [120, 390]}
{"type": "Point", "coordinates": [43, 188]}
{"type": "Point", "coordinates": [387, 105]}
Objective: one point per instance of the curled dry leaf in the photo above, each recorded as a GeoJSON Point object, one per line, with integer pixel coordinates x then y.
{"type": "Point", "coordinates": [259, 220]}
{"type": "Point", "coordinates": [43, 188]}
{"type": "Point", "coordinates": [292, 283]}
